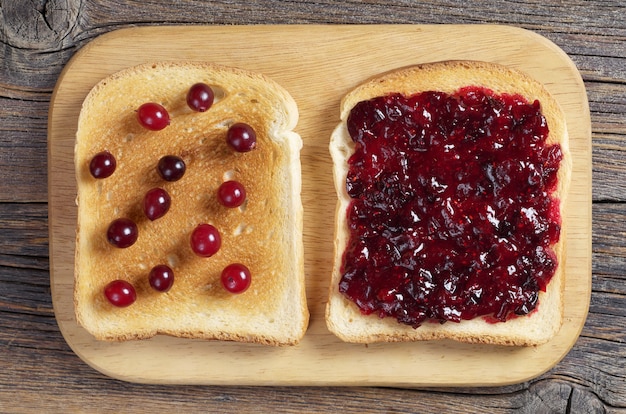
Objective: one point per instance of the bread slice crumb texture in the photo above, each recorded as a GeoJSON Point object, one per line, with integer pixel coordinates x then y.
{"type": "Point", "coordinates": [342, 316]}
{"type": "Point", "coordinates": [264, 233]}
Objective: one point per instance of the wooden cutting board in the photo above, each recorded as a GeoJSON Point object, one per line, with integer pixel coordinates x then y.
{"type": "Point", "coordinates": [318, 65]}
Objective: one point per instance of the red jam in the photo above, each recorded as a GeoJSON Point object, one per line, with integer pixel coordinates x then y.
{"type": "Point", "coordinates": [452, 215]}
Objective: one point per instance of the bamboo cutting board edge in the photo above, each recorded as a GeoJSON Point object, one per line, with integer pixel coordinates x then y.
{"type": "Point", "coordinates": [289, 55]}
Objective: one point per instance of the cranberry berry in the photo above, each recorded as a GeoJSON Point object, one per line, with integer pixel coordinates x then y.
{"type": "Point", "coordinates": [161, 278]}
{"type": "Point", "coordinates": [120, 293]}
{"type": "Point", "coordinates": [102, 165]}
{"type": "Point", "coordinates": [122, 233]}
{"type": "Point", "coordinates": [200, 97]}
{"type": "Point", "coordinates": [205, 240]}
{"type": "Point", "coordinates": [236, 278]}
{"type": "Point", "coordinates": [241, 137]}
{"type": "Point", "coordinates": [156, 203]}
{"type": "Point", "coordinates": [171, 168]}
{"type": "Point", "coordinates": [231, 194]}
{"type": "Point", "coordinates": [153, 116]}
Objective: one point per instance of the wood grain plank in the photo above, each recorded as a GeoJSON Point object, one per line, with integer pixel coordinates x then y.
{"type": "Point", "coordinates": [609, 169]}
{"type": "Point", "coordinates": [21, 226]}
{"type": "Point", "coordinates": [23, 140]}
{"type": "Point", "coordinates": [609, 244]}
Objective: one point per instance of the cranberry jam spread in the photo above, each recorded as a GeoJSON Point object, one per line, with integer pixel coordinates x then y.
{"type": "Point", "coordinates": [452, 213]}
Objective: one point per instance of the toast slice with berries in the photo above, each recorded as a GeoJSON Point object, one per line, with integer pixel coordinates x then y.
{"type": "Point", "coordinates": [198, 187]}
{"type": "Point", "coordinates": [451, 180]}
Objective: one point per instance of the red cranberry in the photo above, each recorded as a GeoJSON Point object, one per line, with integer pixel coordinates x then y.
{"type": "Point", "coordinates": [231, 194]}
{"type": "Point", "coordinates": [120, 293]}
{"type": "Point", "coordinates": [241, 137]}
{"type": "Point", "coordinates": [171, 168]}
{"type": "Point", "coordinates": [236, 278]}
{"type": "Point", "coordinates": [122, 233]}
{"type": "Point", "coordinates": [205, 240]}
{"type": "Point", "coordinates": [156, 203]}
{"type": "Point", "coordinates": [102, 165]}
{"type": "Point", "coordinates": [153, 116]}
{"type": "Point", "coordinates": [161, 278]}
{"type": "Point", "coordinates": [200, 97]}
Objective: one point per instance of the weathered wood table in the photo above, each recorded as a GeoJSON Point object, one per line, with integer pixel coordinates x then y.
{"type": "Point", "coordinates": [39, 372]}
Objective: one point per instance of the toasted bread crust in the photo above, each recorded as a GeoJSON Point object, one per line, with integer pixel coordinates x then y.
{"type": "Point", "coordinates": [265, 233]}
{"type": "Point", "coordinates": [343, 317]}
